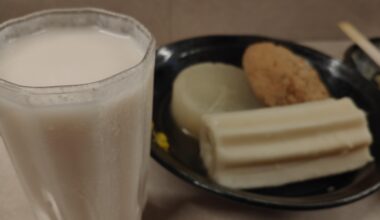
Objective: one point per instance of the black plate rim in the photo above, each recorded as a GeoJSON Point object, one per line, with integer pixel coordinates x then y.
{"type": "Point", "coordinates": [347, 59]}
{"type": "Point", "coordinates": [187, 175]}
{"type": "Point", "coordinates": [158, 155]}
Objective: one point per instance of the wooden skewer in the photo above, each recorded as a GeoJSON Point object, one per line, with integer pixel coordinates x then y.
{"type": "Point", "coordinates": [361, 41]}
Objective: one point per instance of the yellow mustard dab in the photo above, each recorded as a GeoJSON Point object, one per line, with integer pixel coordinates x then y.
{"type": "Point", "coordinates": [161, 139]}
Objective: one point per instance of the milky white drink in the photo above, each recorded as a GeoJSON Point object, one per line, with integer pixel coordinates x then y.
{"type": "Point", "coordinates": [67, 56]}
{"type": "Point", "coordinates": [80, 151]}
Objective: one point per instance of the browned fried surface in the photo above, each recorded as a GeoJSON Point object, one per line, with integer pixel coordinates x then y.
{"type": "Point", "coordinates": [279, 77]}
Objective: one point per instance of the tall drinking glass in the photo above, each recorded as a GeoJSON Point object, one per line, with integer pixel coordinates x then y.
{"type": "Point", "coordinates": [81, 151]}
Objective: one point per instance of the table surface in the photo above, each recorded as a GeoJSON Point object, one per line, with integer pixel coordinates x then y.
{"type": "Point", "coordinates": [171, 198]}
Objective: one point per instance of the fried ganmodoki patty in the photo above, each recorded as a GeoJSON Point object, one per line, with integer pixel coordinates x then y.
{"type": "Point", "coordinates": [279, 77]}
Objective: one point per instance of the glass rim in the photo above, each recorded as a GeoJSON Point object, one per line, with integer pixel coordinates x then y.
{"type": "Point", "coordinates": [72, 88]}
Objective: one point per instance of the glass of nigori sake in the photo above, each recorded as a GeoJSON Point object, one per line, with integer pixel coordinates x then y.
{"type": "Point", "coordinates": [76, 89]}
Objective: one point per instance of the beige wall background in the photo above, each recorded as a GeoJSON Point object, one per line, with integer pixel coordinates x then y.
{"type": "Point", "coordinates": [169, 20]}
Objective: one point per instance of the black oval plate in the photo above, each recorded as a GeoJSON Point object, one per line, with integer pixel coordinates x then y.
{"type": "Point", "coordinates": [182, 157]}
